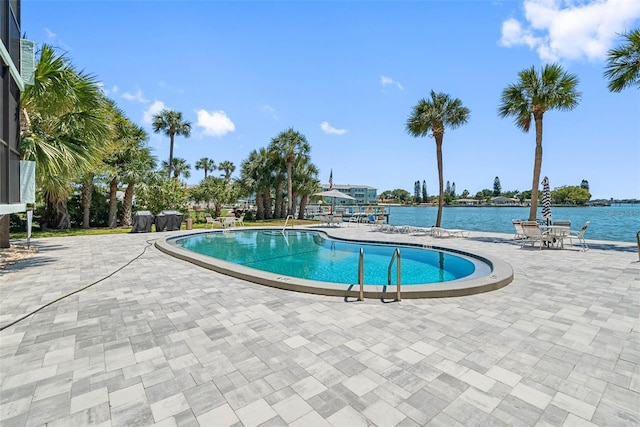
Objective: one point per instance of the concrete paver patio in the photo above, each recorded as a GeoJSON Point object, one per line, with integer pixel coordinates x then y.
{"type": "Point", "coordinates": [164, 342]}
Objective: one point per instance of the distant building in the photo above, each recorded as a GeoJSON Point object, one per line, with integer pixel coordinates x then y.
{"type": "Point", "coordinates": [509, 201]}
{"type": "Point", "coordinates": [11, 83]}
{"type": "Point", "coordinates": [467, 202]}
{"type": "Point", "coordinates": [363, 194]}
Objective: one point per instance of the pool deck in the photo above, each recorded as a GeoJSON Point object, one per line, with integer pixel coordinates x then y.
{"type": "Point", "coordinates": [165, 342]}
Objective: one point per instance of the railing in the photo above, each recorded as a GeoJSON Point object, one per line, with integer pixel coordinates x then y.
{"type": "Point", "coordinates": [396, 257]}
{"type": "Point", "coordinates": [286, 221]}
{"type": "Point", "coordinates": [361, 275]}
{"type": "Point", "coordinates": [638, 240]}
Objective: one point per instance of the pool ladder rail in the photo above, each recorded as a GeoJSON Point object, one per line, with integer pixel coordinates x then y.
{"type": "Point", "coordinates": [286, 221]}
{"type": "Point", "coordinates": [395, 257]}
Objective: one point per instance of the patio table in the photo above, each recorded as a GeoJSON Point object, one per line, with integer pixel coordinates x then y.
{"type": "Point", "coordinates": [558, 232]}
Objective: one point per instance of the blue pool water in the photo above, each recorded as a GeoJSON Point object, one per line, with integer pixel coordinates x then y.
{"type": "Point", "coordinates": [310, 255]}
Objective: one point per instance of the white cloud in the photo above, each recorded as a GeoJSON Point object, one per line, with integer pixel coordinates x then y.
{"type": "Point", "coordinates": [330, 130]}
{"type": "Point", "coordinates": [570, 29]}
{"type": "Point", "coordinates": [50, 34]}
{"type": "Point", "coordinates": [215, 123]}
{"type": "Point", "coordinates": [388, 81]}
{"type": "Point", "coordinates": [270, 110]}
{"type": "Point", "coordinates": [155, 107]}
{"type": "Point", "coordinates": [137, 97]}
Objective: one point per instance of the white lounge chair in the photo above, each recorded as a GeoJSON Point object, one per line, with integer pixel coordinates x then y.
{"type": "Point", "coordinates": [533, 234]}
{"type": "Point", "coordinates": [579, 236]}
{"type": "Point", "coordinates": [517, 224]}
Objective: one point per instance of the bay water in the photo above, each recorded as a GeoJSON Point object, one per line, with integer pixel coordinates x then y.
{"type": "Point", "coordinates": [617, 223]}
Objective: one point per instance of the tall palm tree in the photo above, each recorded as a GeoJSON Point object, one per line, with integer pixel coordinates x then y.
{"type": "Point", "coordinates": [257, 175]}
{"type": "Point", "coordinates": [140, 163]}
{"type": "Point", "coordinates": [533, 95]}
{"type": "Point", "coordinates": [180, 168]}
{"type": "Point", "coordinates": [206, 164]}
{"type": "Point", "coordinates": [433, 116]}
{"type": "Point", "coordinates": [171, 123]}
{"type": "Point", "coordinates": [228, 168]}
{"type": "Point", "coordinates": [290, 144]}
{"type": "Point", "coordinates": [64, 121]}
{"type": "Point", "coordinates": [623, 63]}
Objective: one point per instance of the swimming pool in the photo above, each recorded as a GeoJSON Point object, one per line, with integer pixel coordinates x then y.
{"type": "Point", "coordinates": [310, 261]}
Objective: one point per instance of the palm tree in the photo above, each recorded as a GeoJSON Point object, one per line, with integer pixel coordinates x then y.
{"type": "Point", "coordinates": [228, 168]}
{"type": "Point", "coordinates": [623, 63]}
{"type": "Point", "coordinates": [63, 125]}
{"type": "Point", "coordinates": [533, 95]}
{"type": "Point", "coordinates": [206, 164]}
{"type": "Point", "coordinates": [433, 116]}
{"type": "Point", "coordinates": [257, 175]}
{"type": "Point", "coordinates": [290, 144]}
{"type": "Point", "coordinates": [180, 167]}
{"type": "Point", "coordinates": [171, 123]}
{"type": "Point", "coordinates": [140, 163]}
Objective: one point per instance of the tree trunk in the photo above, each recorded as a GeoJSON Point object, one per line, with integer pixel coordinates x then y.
{"type": "Point", "coordinates": [259, 206]}
{"type": "Point", "coordinates": [4, 231]}
{"type": "Point", "coordinates": [87, 193]}
{"type": "Point", "coordinates": [127, 204]}
{"type": "Point", "coordinates": [277, 209]}
{"type": "Point", "coordinates": [170, 155]}
{"type": "Point", "coordinates": [303, 205]}
{"type": "Point", "coordinates": [63, 213]}
{"type": "Point", "coordinates": [440, 179]}
{"type": "Point", "coordinates": [294, 203]}
{"type": "Point", "coordinates": [537, 167]}
{"type": "Point", "coordinates": [266, 199]}
{"type": "Point", "coordinates": [289, 189]}
{"type": "Point", "coordinates": [113, 203]}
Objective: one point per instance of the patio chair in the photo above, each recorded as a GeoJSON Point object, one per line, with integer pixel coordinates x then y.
{"type": "Point", "coordinates": [240, 220]}
{"type": "Point", "coordinates": [533, 234]}
{"type": "Point", "coordinates": [210, 221]}
{"type": "Point", "coordinates": [579, 236]}
{"type": "Point", "coordinates": [336, 219]}
{"type": "Point", "coordinates": [517, 224]}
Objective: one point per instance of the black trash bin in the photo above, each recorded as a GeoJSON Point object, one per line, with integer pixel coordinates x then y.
{"type": "Point", "coordinates": [142, 221]}
{"type": "Point", "coordinates": [168, 221]}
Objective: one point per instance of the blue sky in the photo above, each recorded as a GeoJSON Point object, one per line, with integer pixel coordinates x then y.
{"type": "Point", "coordinates": [347, 74]}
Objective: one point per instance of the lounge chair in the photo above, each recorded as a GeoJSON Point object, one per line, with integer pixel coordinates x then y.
{"type": "Point", "coordinates": [579, 236]}
{"type": "Point", "coordinates": [517, 224]}
{"type": "Point", "coordinates": [533, 234]}
{"type": "Point", "coordinates": [336, 219]}
{"type": "Point", "coordinates": [444, 232]}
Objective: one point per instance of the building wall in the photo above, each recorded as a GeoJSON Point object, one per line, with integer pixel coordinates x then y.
{"type": "Point", "coordinates": [363, 194]}
{"type": "Point", "coordinates": [9, 104]}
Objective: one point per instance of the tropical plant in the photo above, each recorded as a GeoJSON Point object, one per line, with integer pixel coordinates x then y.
{"type": "Point", "coordinates": [228, 168]}
{"type": "Point", "coordinates": [433, 116]}
{"type": "Point", "coordinates": [157, 193]}
{"type": "Point", "coordinates": [63, 126]}
{"type": "Point", "coordinates": [180, 168]}
{"type": "Point", "coordinates": [127, 139]}
{"type": "Point", "coordinates": [218, 191]}
{"type": "Point", "coordinates": [623, 63]}
{"type": "Point", "coordinates": [140, 164]}
{"type": "Point", "coordinates": [289, 145]}
{"type": "Point", "coordinates": [171, 124]}
{"type": "Point", "coordinates": [205, 164]}
{"type": "Point", "coordinates": [257, 176]}
{"type": "Point", "coordinates": [533, 95]}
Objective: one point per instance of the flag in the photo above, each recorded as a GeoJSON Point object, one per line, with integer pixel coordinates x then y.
{"type": "Point", "coordinates": [331, 180]}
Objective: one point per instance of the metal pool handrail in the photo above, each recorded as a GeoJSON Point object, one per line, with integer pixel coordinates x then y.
{"type": "Point", "coordinates": [395, 256]}
{"type": "Point", "coordinates": [361, 275]}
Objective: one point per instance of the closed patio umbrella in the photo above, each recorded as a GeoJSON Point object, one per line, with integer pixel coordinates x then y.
{"type": "Point", "coordinates": [546, 200]}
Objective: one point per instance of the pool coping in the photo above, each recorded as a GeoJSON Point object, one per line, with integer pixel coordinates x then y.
{"type": "Point", "coordinates": [501, 272]}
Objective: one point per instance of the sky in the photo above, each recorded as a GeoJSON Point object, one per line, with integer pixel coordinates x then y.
{"type": "Point", "coordinates": [346, 75]}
